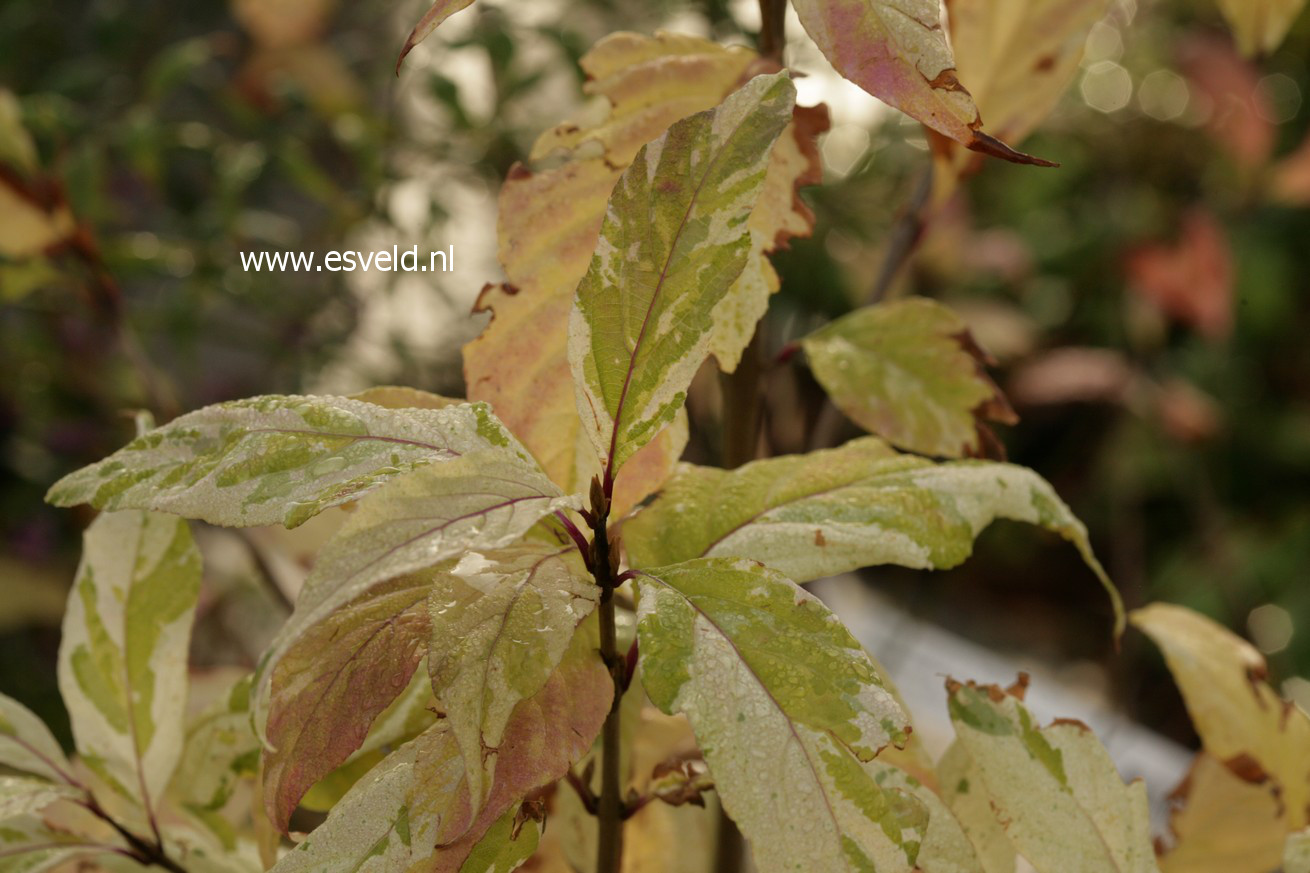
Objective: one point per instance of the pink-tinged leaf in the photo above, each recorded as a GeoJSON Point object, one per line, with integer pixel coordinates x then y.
{"type": "Point", "coordinates": [896, 50]}
{"type": "Point", "coordinates": [1191, 280]}
{"type": "Point", "coordinates": [412, 811]}
{"type": "Point", "coordinates": [334, 681]}
{"type": "Point", "coordinates": [1239, 116]}
{"type": "Point", "coordinates": [431, 20]}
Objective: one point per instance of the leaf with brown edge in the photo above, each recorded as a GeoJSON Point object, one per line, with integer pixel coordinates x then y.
{"type": "Point", "coordinates": [1017, 59]}
{"type": "Point", "coordinates": [411, 813]}
{"type": "Point", "coordinates": [1221, 824]}
{"type": "Point", "coordinates": [1243, 723]}
{"type": "Point", "coordinates": [330, 685]}
{"type": "Point", "coordinates": [431, 20]}
{"type": "Point", "coordinates": [910, 371]}
{"type": "Point", "coordinates": [896, 50]}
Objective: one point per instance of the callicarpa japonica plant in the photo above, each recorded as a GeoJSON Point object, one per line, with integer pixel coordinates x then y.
{"type": "Point", "coordinates": [536, 639]}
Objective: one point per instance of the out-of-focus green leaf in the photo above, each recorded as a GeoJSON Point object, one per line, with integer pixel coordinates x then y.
{"type": "Point", "coordinates": [27, 745]}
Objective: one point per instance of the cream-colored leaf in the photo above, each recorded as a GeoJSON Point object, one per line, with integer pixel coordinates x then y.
{"type": "Point", "coordinates": [963, 791]}
{"type": "Point", "coordinates": [1054, 790]}
{"type": "Point", "coordinates": [123, 656]}
{"type": "Point", "coordinates": [26, 744]}
{"type": "Point", "coordinates": [675, 238]}
{"type": "Point", "coordinates": [1260, 25]}
{"type": "Point", "coordinates": [896, 50]}
{"type": "Point", "coordinates": [785, 705]}
{"type": "Point", "coordinates": [1242, 722]}
{"type": "Point", "coordinates": [946, 846]}
{"type": "Point", "coordinates": [1296, 856]}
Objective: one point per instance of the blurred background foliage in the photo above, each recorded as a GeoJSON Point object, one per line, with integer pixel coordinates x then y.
{"type": "Point", "coordinates": [1146, 303]}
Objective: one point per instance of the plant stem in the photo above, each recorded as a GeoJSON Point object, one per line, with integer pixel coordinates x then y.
{"type": "Point", "coordinates": [903, 239]}
{"type": "Point", "coordinates": [609, 810]}
{"type": "Point", "coordinates": [741, 407]}
{"type": "Point", "coordinates": [773, 18]}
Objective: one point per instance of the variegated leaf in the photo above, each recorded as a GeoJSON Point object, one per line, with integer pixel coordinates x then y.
{"type": "Point", "coordinates": [276, 459]}
{"type": "Point", "coordinates": [1242, 722]}
{"type": "Point", "coordinates": [360, 624]}
{"type": "Point", "coordinates": [963, 791]}
{"type": "Point", "coordinates": [1260, 25]}
{"type": "Point", "coordinates": [1055, 790]}
{"type": "Point", "coordinates": [26, 744]}
{"type": "Point", "coordinates": [412, 812]}
{"type": "Point", "coordinates": [326, 688]}
{"type": "Point", "coordinates": [946, 847]}
{"type": "Point", "coordinates": [910, 372]}
{"type": "Point", "coordinates": [219, 755]}
{"type": "Point", "coordinates": [123, 656]}
{"type": "Point", "coordinates": [785, 705]}
{"type": "Point", "coordinates": [28, 843]}
{"type": "Point", "coordinates": [501, 621]}
{"type": "Point", "coordinates": [833, 511]}
{"type": "Point", "coordinates": [674, 240]}
{"type": "Point", "coordinates": [896, 50]}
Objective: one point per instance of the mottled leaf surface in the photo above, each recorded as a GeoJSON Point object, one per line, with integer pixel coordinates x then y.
{"type": "Point", "coordinates": [675, 238]}
{"type": "Point", "coordinates": [123, 656]}
{"type": "Point", "coordinates": [896, 50]}
{"type": "Point", "coordinates": [276, 459]}
{"type": "Point", "coordinates": [501, 850]}
{"type": "Point", "coordinates": [910, 372]}
{"type": "Point", "coordinates": [833, 511]}
{"type": "Point", "coordinates": [1242, 722]}
{"type": "Point", "coordinates": [963, 791]}
{"type": "Point", "coordinates": [501, 622]}
{"type": "Point", "coordinates": [1260, 25]}
{"type": "Point", "coordinates": [785, 706]}
{"type": "Point", "coordinates": [219, 755]}
{"type": "Point", "coordinates": [26, 744]}
{"type": "Point", "coordinates": [28, 844]}
{"type": "Point", "coordinates": [412, 813]}
{"type": "Point", "coordinates": [1055, 790]}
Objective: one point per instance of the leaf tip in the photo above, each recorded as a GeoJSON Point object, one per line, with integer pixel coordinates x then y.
{"type": "Point", "coordinates": [985, 143]}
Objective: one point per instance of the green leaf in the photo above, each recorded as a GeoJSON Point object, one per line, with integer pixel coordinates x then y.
{"type": "Point", "coordinates": [412, 812]}
{"type": "Point", "coordinates": [501, 622]}
{"type": "Point", "coordinates": [674, 240]}
{"type": "Point", "coordinates": [276, 459]}
{"type": "Point", "coordinates": [785, 705]}
{"type": "Point", "coordinates": [910, 372]}
{"type": "Point", "coordinates": [502, 850]}
{"type": "Point", "coordinates": [123, 657]}
{"type": "Point", "coordinates": [26, 744]}
{"type": "Point", "coordinates": [946, 847]}
{"type": "Point", "coordinates": [1055, 790]}
{"type": "Point", "coordinates": [828, 512]}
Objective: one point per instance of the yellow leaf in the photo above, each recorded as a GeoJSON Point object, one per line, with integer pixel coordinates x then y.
{"type": "Point", "coordinates": [1222, 824]}
{"type": "Point", "coordinates": [1260, 737]}
{"type": "Point", "coordinates": [1016, 57]}
{"type": "Point", "coordinates": [1260, 25]}
{"type": "Point", "coordinates": [28, 229]}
